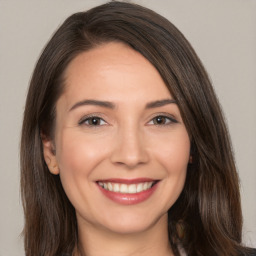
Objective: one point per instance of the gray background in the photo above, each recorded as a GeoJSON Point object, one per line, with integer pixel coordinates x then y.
{"type": "Point", "coordinates": [223, 32]}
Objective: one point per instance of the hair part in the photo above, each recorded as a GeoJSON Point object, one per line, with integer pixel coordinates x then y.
{"type": "Point", "coordinates": [210, 200]}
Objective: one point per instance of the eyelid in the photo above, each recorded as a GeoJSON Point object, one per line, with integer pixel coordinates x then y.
{"type": "Point", "coordinates": [100, 116]}
{"type": "Point", "coordinates": [93, 115]}
{"type": "Point", "coordinates": [172, 119]}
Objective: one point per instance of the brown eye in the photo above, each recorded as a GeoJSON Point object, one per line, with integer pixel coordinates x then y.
{"type": "Point", "coordinates": [159, 120]}
{"type": "Point", "coordinates": [92, 121]}
{"type": "Point", "coordinates": [162, 120]}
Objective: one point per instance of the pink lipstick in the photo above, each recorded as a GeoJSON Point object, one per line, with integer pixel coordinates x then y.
{"type": "Point", "coordinates": [128, 191]}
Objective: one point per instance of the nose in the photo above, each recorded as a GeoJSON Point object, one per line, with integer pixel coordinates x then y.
{"type": "Point", "coordinates": [130, 148]}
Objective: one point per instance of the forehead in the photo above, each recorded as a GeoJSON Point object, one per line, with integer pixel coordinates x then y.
{"type": "Point", "coordinates": [111, 71]}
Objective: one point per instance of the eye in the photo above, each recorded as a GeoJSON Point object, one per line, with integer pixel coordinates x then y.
{"type": "Point", "coordinates": [92, 121]}
{"type": "Point", "coordinates": [162, 120]}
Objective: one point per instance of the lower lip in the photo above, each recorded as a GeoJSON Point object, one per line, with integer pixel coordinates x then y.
{"type": "Point", "coordinates": [128, 199]}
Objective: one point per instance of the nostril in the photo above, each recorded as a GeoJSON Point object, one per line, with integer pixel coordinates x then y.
{"type": "Point", "coordinates": [129, 157]}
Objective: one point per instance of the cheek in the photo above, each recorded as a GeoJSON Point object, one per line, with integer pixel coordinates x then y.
{"type": "Point", "coordinates": [173, 156]}
{"type": "Point", "coordinates": [77, 157]}
{"type": "Point", "coordinates": [175, 160]}
{"type": "Point", "coordinates": [173, 151]}
{"type": "Point", "coordinates": [78, 153]}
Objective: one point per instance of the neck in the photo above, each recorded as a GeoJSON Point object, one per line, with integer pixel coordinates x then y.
{"type": "Point", "coordinates": [95, 241]}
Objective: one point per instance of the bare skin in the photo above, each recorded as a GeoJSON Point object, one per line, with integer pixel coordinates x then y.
{"type": "Point", "coordinates": [117, 120]}
{"type": "Point", "coordinates": [148, 243]}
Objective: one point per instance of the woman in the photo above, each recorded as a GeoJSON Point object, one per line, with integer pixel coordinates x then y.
{"type": "Point", "coordinates": [124, 144]}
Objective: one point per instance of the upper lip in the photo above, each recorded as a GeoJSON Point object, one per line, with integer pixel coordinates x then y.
{"type": "Point", "coordinates": [128, 181]}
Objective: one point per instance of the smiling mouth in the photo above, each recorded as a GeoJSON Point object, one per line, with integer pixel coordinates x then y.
{"type": "Point", "coordinates": [123, 188]}
{"type": "Point", "coordinates": [128, 191]}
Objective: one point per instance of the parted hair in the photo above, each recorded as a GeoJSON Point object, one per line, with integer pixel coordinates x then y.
{"type": "Point", "coordinates": [208, 211]}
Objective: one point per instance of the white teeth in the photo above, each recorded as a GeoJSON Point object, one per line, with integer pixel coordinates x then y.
{"type": "Point", "coordinates": [125, 188]}
{"type": "Point", "coordinates": [139, 188]}
{"type": "Point", "coordinates": [132, 189]}
{"type": "Point", "coordinates": [116, 187]}
{"type": "Point", "coordinates": [110, 187]}
{"type": "Point", "coordinates": [150, 184]}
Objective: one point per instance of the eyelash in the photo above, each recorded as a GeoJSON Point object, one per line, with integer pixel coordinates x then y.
{"type": "Point", "coordinates": [171, 120]}
{"type": "Point", "coordinates": [90, 118]}
{"type": "Point", "coordinates": [97, 118]}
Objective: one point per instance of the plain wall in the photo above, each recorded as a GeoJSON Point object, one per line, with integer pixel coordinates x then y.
{"type": "Point", "coordinates": [223, 33]}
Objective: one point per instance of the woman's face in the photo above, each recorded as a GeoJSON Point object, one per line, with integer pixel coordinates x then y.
{"type": "Point", "coordinates": [122, 149]}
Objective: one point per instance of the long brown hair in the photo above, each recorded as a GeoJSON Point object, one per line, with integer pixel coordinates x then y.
{"type": "Point", "coordinates": [208, 209]}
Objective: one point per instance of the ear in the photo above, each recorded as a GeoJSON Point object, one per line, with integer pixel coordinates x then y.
{"type": "Point", "coordinates": [49, 155]}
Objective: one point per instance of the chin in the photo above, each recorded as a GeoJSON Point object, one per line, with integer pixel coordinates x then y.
{"type": "Point", "coordinates": [133, 223]}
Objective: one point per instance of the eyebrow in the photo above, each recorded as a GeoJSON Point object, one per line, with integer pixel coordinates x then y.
{"type": "Point", "coordinates": [105, 104]}
{"type": "Point", "coordinates": [110, 105]}
{"type": "Point", "coordinates": [160, 103]}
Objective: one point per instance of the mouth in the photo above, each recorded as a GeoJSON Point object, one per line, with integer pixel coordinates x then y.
{"type": "Point", "coordinates": [124, 188]}
{"type": "Point", "coordinates": [128, 192]}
